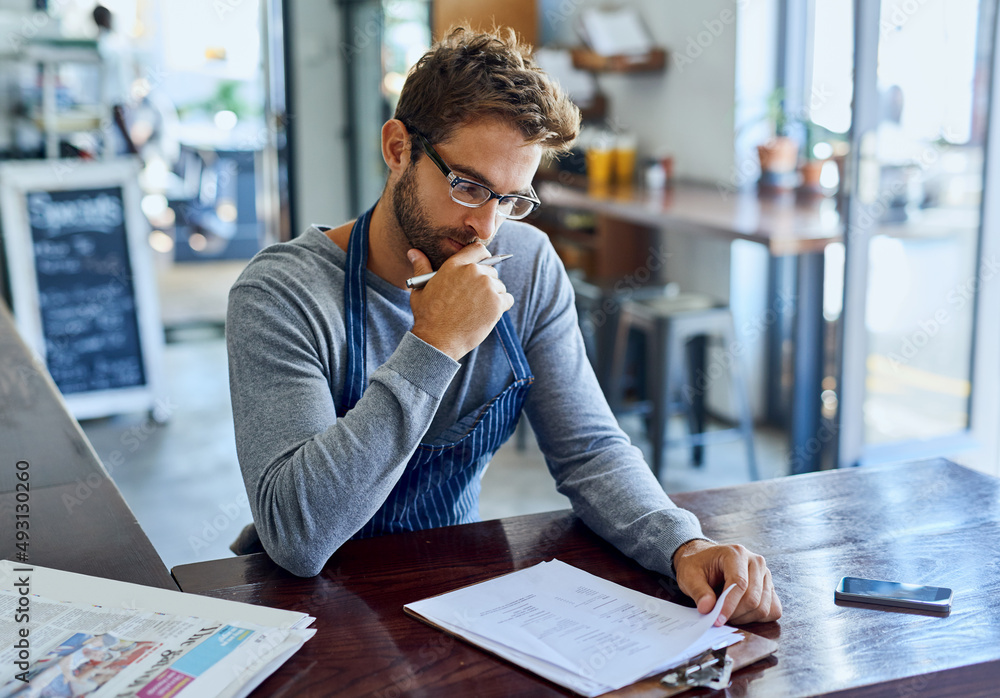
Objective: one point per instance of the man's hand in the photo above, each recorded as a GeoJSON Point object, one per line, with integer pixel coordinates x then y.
{"type": "Point", "coordinates": [459, 307]}
{"type": "Point", "coordinates": [702, 567]}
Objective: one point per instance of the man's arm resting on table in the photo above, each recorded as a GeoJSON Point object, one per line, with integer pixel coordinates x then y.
{"type": "Point", "coordinates": [607, 479]}
{"type": "Point", "coordinates": [313, 480]}
{"type": "Point", "coordinates": [702, 566]}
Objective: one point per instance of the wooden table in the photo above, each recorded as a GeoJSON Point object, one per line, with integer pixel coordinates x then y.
{"type": "Point", "coordinates": [78, 520]}
{"type": "Point", "coordinates": [795, 233]}
{"type": "Point", "coordinates": [928, 522]}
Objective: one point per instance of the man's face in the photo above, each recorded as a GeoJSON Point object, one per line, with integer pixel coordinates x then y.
{"type": "Point", "coordinates": [415, 224]}
{"type": "Point", "coordinates": [484, 151]}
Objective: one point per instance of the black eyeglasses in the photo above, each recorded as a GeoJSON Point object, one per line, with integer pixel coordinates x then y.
{"type": "Point", "coordinates": [473, 194]}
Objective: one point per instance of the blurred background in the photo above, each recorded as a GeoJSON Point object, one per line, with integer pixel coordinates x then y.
{"type": "Point", "coordinates": [775, 218]}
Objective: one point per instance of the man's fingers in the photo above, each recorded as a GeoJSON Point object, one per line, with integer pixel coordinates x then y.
{"type": "Point", "coordinates": [756, 573]}
{"type": "Point", "coordinates": [768, 609]}
{"type": "Point", "coordinates": [470, 254]}
{"type": "Point", "coordinates": [755, 601]}
{"type": "Point", "coordinates": [721, 566]}
{"type": "Point", "coordinates": [771, 610]}
{"type": "Point", "coordinates": [776, 608]}
{"type": "Point", "coordinates": [734, 569]}
{"type": "Point", "coordinates": [753, 613]}
{"type": "Point", "coordinates": [701, 591]}
{"type": "Point", "coordinates": [421, 265]}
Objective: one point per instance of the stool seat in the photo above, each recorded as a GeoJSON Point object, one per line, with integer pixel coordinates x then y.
{"type": "Point", "coordinates": [681, 303]}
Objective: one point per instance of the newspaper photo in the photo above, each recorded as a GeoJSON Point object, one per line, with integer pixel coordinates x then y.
{"type": "Point", "coordinates": [69, 650]}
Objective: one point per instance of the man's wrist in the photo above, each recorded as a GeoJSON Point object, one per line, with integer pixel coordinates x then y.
{"type": "Point", "coordinates": [687, 547]}
{"type": "Point", "coordinates": [452, 352]}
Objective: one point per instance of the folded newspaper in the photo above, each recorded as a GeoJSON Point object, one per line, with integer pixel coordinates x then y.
{"type": "Point", "coordinates": [126, 640]}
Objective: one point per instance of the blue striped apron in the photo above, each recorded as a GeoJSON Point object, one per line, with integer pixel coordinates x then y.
{"type": "Point", "coordinates": [440, 485]}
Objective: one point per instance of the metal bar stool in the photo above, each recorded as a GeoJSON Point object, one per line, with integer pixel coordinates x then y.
{"type": "Point", "coordinates": [675, 331]}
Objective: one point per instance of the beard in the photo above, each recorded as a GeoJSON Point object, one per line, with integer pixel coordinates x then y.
{"type": "Point", "coordinates": [415, 227]}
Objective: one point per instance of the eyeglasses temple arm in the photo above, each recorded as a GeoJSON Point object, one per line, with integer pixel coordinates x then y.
{"type": "Point", "coordinates": [435, 158]}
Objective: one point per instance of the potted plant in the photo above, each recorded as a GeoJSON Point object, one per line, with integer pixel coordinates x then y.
{"type": "Point", "coordinates": [779, 155]}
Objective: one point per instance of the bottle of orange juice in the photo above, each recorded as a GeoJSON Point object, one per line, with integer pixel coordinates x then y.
{"type": "Point", "coordinates": [625, 147]}
{"type": "Point", "coordinates": [600, 147]}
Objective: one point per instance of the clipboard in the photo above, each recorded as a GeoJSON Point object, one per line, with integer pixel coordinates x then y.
{"type": "Point", "coordinates": [751, 649]}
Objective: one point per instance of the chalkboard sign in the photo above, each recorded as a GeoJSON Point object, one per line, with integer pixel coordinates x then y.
{"type": "Point", "coordinates": [82, 281]}
{"type": "Point", "coordinates": [85, 290]}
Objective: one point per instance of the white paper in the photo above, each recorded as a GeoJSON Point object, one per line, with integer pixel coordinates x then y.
{"type": "Point", "coordinates": [615, 32]}
{"type": "Point", "coordinates": [575, 629]}
{"type": "Point", "coordinates": [109, 593]}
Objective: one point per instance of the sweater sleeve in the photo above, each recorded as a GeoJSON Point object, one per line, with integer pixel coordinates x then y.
{"type": "Point", "coordinates": [314, 480]}
{"type": "Point", "coordinates": [605, 477]}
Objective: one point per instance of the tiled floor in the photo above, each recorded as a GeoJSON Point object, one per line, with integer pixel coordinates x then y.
{"type": "Point", "coordinates": [183, 483]}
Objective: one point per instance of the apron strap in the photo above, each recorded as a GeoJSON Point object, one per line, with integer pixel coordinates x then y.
{"type": "Point", "coordinates": [512, 348]}
{"type": "Point", "coordinates": [355, 315]}
{"type": "Point", "coordinates": [355, 320]}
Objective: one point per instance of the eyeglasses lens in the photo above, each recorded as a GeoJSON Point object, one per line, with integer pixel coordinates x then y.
{"type": "Point", "coordinates": [473, 194]}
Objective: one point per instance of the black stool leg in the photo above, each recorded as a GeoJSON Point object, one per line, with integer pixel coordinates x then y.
{"type": "Point", "coordinates": [694, 396]}
{"type": "Point", "coordinates": [658, 374]}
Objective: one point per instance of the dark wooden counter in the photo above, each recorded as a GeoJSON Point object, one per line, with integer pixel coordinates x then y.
{"type": "Point", "coordinates": [78, 519]}
{"type": "Point", "coordinates": [929, 522]}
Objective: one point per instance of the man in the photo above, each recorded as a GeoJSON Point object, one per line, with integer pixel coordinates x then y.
{"type": "Point", "coordinates": [364, 408]}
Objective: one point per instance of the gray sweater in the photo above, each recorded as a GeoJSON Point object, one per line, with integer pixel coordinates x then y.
{"type": "Point", "coordinates": [313, 480]}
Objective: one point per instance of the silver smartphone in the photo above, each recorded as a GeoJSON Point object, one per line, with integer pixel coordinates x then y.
{"type": "Point", "coordinates": [894, 594]}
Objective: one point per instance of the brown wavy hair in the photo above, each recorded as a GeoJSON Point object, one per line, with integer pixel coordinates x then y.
{"type": "Point", "coordinates": [468, 76]}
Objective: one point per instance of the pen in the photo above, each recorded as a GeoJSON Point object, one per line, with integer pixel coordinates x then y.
{"type": "Point", "coordinates": [419, 281]}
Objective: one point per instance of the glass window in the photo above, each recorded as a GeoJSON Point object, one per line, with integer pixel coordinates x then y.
{"type": "Point", "coordinates": [933, 65]}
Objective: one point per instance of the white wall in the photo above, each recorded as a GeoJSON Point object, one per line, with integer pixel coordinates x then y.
{"type": "Point", "coordinates": [318, 114]}
{"type": "Point", "coordinates": [688, 110]}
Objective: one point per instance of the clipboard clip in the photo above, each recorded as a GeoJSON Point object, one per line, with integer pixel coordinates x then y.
{"type": "Point", "coordinates": [710, 669]}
